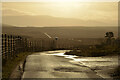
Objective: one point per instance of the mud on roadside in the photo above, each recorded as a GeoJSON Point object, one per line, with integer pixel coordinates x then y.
{"type": "Point", "coordinates": [18, 71]}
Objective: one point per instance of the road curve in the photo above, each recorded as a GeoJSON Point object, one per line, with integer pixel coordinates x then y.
{"type": "Point", "coordinates": [41, 65]}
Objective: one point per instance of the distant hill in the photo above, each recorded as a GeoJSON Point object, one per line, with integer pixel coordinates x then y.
{"type": "Point", "coordinates": [6, 25]}
{"type": "Point", "coordinates": [61, 32]}
{"type": "Point", "coordinates": [45, 20]}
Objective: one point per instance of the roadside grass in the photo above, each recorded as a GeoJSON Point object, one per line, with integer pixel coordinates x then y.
{"type": "Point", "coordinates": [10, 64]}
{"type": "Point", "coordinates": [99, 50]}
{"type": "Point", "coordinates": [116, 74]}
{"type": "Point", "coordinates": [95, 51]}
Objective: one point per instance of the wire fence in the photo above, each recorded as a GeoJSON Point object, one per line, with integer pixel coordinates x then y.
{"type": "Point", "coordinates": [13, 45]}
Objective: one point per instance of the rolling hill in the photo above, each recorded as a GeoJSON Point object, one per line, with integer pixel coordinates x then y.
{"type": "Point", "coordinates": [61, 32]}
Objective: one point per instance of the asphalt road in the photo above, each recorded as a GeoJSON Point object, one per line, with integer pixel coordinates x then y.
{"type": "Point", "coordinates": [46, 65]}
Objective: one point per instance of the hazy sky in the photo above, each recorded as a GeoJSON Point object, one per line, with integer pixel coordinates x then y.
{"type": "Point", "coordinates": [60, 13]}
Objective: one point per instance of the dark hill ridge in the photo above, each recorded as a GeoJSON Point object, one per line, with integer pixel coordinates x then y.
{"type": "Point", "coordinates": [61, 32]}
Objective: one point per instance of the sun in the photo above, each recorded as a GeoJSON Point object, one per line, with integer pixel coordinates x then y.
{"type": "Point", "coordinates": [64, 9]}
{"type": "Point", "coordinates": [59, 9]}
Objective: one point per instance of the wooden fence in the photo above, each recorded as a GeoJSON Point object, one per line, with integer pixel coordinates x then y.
{"type": "Point", "coordinates": [13, 45]}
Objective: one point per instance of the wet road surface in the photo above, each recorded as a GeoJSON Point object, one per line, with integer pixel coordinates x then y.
{"type": "Point", "coordinates": [53, 64]}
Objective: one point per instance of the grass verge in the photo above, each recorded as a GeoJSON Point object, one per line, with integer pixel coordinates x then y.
{"type": "Point", "coordinates": [116, 74]}
{"type": "Point", "coordinates": [10, 64]}
{"type": "Point", "coordinates": [94, 51]}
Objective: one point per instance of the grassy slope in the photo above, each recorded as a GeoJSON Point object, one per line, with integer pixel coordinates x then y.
{"type": "Point", "coordinates": [94, 51]}
{"type": "Point", "coordinates": [99, 51]}
{"type": "Point", "coordinates": [10, 64]}
{"type": "Point", "coordinates": [61, 32]}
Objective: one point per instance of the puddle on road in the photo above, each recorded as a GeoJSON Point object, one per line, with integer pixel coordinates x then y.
{"type": "Point", "coordinates": [101, 65]}
{"type": "Point", "coordinates": [73, 69]}
{"type": "Point", "coordinates": [88, 60]}
{"type": "Point", "coordinates": [91, 62]}
{"type": "Point", "coordinates": [67, 69]}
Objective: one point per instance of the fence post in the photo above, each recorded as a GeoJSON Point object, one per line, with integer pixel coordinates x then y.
{"type": "Point", "coordinates": [8, 40]}
{"type": "Point", "coordinates": [11, 45]}
{"type": "Point", "coordinates": [3, 47]}
{"type": "Point", "coordinates": [14, 49]}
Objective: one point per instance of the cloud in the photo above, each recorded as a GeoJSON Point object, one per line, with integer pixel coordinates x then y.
{"type": "Point", "coordinates": [83, 14]}
{"type": "Point", "coordinates": [14, 12]}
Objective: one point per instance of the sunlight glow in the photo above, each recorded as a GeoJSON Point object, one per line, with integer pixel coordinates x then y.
{"type": "Point", "coordinates": [67, 0]}
{"type": "Point", "coordinates": [62, 9]}
{"type": "Point", "coordinates": [64, 13]}
{"type": "Point", "coordinates": [59, 0]}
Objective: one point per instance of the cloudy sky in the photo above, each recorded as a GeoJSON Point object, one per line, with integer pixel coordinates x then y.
{"type": "Point", "coordinates": [60, 13]}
